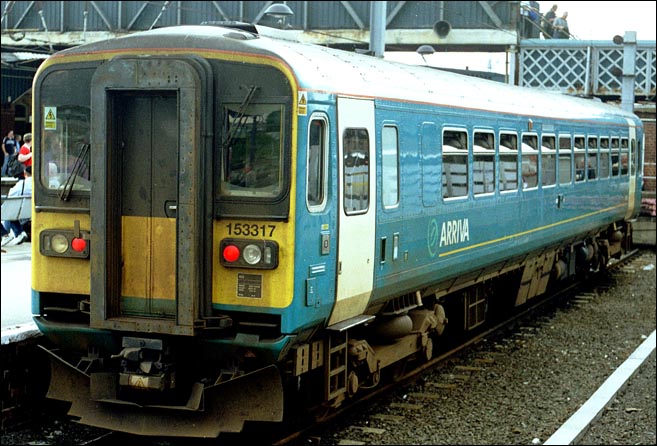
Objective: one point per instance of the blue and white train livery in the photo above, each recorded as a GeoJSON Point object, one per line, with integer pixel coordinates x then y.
{"type": "Point", "coordinates": [226, 222]}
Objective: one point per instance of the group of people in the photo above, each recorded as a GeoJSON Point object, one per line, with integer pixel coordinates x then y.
{"type": "Point", "coordinates": [549, 25]}
{"type": "Point", "coordinates": [15, 232]}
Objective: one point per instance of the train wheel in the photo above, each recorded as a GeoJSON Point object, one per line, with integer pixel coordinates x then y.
{"type": "Point", "coordinates": [352, 384]}
{"type": "Point", "coordinates": [376, 378]}
{"type": "Point", "coordinates": [427, 350]}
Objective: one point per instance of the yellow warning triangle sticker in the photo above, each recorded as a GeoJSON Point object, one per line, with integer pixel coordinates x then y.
{"type": "Point", "coordinates": [302, 104]}
{"type": "Point", "coordinates": [50, 115]}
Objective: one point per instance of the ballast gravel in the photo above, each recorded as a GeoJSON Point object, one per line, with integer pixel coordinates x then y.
{"type": "Point", "coordinates": [521, 389]}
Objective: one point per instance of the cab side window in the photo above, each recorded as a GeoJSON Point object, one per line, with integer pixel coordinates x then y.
{"type": "Point", "coordinates": [316, 170]}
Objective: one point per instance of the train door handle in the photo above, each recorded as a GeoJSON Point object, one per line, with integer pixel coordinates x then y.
{"type": "Point", "coordinates": [170, 208]}
{"type": "Point", "coordinates": [560, 200]}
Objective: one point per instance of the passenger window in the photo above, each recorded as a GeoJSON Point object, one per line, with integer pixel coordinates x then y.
{"type": "Point", "coordinates": [565, 160]}
{"type": "Point", "coordinates": [483, 168]}
{"type": "Point", "coordinates": [615, 156]}
{"type": "Point", "coordinates": [317, 163]}
{"type": "Point", "coordinates": [356, 188]}
{"type": "Point", "coordinates": [529, 156]}
{"type": "Point", "coordinates": [624, 156]}
{"type": "Point", "coordinates": [390, 166]}
{"type": "Point", "coordinates": [508, 161]}
{"type": "Point", "coordinates": [634, 157]}
{"type": "Point", "coordinates": [455, 163]}
{"type": "Point", "coordinates": [580, 159]}
{"type": "Point", "coordinates": [603, 171]}
{"type": "Point", "coordinates": [592, 163]}
{"type": "Point", "coordinates": [548, 161]}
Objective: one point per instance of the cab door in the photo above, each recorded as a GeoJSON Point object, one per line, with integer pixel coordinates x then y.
{"type": "Point", "coordinates": [356, 221]}
{"type": "Point", "coordinates": [147, 140]}
{"type": "Point", "coordinates": [147, 212]}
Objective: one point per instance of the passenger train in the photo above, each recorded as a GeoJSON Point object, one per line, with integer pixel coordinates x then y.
{"type": "Point", "coordinates": [227, 225]}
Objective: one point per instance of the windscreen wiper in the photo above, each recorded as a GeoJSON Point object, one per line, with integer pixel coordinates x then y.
{"type": "Point", "coordinates": [241, 117]}
{"type": "Point", "coordinates": [80, 163]}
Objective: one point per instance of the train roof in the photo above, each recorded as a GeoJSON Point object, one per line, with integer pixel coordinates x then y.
{"type": "Point", "coordinates": [323, 69]}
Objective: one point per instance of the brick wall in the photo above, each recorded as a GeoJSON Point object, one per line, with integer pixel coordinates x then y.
{"type": "Point", "coordinates": [647, 115]}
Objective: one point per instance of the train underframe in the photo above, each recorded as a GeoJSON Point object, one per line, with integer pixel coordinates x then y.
{"type": "Point", "coordinates": [207, 397]}
{"type": "Point", "coordinates": [349, 358]}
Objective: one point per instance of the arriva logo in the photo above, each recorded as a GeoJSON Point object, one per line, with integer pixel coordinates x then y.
{"type": "Point", "coordinates": [455, 231]}
{"type": "Point", "coordinates": [451, 232]}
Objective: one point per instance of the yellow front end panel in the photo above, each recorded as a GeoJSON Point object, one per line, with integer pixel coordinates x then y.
{"type": "Point", "coordinates": [273, 288]}
{"type": "Point", "coordinates": [149, 257]}
{"type": "Point", "coordinates": [58, 274]}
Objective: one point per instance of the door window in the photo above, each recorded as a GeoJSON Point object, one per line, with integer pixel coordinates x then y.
{"type": "Point", "coordinates": [356, 185]}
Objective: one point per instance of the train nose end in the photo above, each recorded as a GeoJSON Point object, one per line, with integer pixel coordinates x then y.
{"type": "Point", "coordinates": [210, 410]}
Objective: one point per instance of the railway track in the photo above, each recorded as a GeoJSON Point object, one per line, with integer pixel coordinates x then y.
{"type": "Point", "coordinates": [579, 292]}
{"type": "Point", "coordinates": [519, 326]}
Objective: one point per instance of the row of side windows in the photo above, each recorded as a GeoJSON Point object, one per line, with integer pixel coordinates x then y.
{"type": "Point", "coordinates": [506, 161]}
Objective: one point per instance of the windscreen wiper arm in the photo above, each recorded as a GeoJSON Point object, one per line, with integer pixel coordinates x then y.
{"type": "Point", "coordinates": [80, 163]}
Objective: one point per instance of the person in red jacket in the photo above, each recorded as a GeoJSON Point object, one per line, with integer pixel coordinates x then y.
{"type": "Point", "coordinates": [25, 153]}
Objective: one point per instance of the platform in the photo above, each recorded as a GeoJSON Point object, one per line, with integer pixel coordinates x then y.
{"type": "Point", "coordinates": [17, 323]}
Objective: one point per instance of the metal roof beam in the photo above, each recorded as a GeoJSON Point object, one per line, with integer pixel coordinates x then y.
{"type": "Point", "coordinates": [221, 11]}
{"type": "Point", "coordinates": [491, 14]}
{"type": "Point", "coordinates": [353, 14]}
{"type": "Point", "coordinates": [27, 10]}
{"type": "Point", "coordinates": [102, 16]}
{"type": "Point", "coordinates": [398, 7]}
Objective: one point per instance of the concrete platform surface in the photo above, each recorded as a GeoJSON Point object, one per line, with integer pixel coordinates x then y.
{"type": "Point", "coordinates": [16, 293]}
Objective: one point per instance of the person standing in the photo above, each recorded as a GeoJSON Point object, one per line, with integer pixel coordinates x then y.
{"type": "Point", "coordinates": [561, 27]}
{"type": "Point", "coordinates": [535, 16]}
{"type": "Point", "coordinates": [530, 19]}
{"type": "Point", "coordinates": [548, 22]}
{"type": "Point", "coordinates": [14, 232]}
{"type": "Point", "coordinates": [8, 149]}
{"type": "Point", "coordinates": [25, 153]}
{"type": "Point", "coordinates": [526, 23]}
{"type": "Point", "coordinates": [19, 141]}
